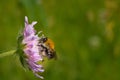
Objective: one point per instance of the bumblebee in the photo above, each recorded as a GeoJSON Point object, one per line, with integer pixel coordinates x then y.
{"type": "Point", "coordinates": [47, 46]}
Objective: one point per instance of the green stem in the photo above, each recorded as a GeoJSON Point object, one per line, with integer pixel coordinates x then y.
{"type": "Point", "coordinates": [8, 53]}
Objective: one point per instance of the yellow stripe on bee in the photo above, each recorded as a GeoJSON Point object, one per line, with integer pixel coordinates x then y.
{"type": "Point", "coordinates": [50, 43]}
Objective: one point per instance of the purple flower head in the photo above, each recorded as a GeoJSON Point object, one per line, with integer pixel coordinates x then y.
{"type": "Point", "coordinates": [31, 49]}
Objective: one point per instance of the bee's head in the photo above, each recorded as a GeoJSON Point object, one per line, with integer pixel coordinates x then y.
{"type": "Point", "coordinates": [43, 39]}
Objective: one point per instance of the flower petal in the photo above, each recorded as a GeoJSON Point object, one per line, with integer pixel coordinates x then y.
{"type": "Point", "coordinates": [31, 49]}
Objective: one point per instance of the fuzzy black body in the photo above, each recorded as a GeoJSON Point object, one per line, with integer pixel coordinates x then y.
{"type": "Point", "coordinates": [48, 48]}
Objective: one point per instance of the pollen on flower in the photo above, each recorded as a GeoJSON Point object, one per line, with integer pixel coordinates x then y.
{"type": "Point", "coordinates": [31, 51]}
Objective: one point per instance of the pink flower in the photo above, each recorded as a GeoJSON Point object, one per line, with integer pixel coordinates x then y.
{"type": "Point", "coordinates": [31, 49]}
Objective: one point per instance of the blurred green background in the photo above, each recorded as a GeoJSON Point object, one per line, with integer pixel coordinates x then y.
{"type": "Point", "coordinates": [86, 35]}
